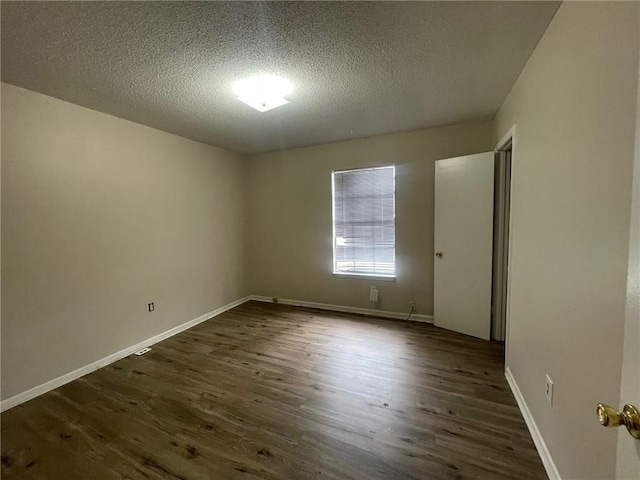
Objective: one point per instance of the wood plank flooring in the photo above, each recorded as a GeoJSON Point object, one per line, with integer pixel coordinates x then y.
{"type": "Point", "coordinates": [268, 391]}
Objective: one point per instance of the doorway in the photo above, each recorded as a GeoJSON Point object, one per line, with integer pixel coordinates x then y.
{"type": "Point", "coordinates": [471, 278]}
{"type": "Point", "coordinates": [501, 227]}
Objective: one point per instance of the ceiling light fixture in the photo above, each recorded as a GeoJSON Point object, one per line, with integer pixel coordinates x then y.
{"type": "Point", "coordinates": [263, 92]}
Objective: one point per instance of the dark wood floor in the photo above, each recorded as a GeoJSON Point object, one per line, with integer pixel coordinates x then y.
{"type": "Point", "coordinates": [274, 392]}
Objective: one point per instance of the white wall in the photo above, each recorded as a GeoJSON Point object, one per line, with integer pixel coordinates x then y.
{"type": "Point", "coordinates": [290, 218]}
{"type": "Point", "coordinates": [99, 217]}
{"type": "Point", "coordinates": [574, 107]}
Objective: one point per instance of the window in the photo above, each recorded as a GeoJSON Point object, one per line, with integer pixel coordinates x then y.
{"type": "Point", "coordinates": [364, 222]}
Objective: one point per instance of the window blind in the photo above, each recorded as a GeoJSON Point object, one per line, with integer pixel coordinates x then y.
{"type": "Point", "coordinates": [364, 221]}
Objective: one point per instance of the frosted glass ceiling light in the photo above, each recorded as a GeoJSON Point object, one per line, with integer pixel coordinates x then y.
{"type": "Point", "coordinates": [263, 92]}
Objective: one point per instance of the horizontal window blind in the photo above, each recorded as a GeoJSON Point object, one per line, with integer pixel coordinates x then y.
{"type": "Point", "coordinates": [364, 221]}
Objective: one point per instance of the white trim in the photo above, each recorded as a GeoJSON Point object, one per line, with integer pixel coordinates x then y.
{"type": "Point", "coordinates": [365, 276]}
{"type": "Point", "coordinates": [543, 451]}
{"type": "Point", "coordinates": [509, 138]}
{"type": "Point", "coordinates": [260, 298]}
{"type": "Point", "coordinates": [342, 308]}
{"type": "Point", "coordinates": [114, 357]}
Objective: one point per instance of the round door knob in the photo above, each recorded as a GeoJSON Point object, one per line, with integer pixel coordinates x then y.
{"type": "Point", "coordinates": [629, 417]}
{"type": "Point", "coordinates": [609, 416]}
{"type": "Point", "coordinates": [439, 254]}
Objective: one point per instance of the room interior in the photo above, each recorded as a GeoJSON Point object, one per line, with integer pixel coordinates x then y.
{"type": "Point", "coordinates": [133, 175]}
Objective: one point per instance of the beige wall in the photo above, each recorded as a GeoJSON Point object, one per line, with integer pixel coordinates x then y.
{"type": "Point", "coordinates": [290, 240]}
{"type": "Point", "coordinates": [574, 107]}
{"type": "Point", "coordinates": [99, 217]}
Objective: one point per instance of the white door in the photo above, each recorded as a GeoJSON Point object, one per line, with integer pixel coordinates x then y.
{"type": "Point", "coordinates": [463, 244]}
{"type": "Point", "coordinates": [628, 452]}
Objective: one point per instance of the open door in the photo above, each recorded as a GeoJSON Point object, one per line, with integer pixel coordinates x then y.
{"type": "Point", "coordinates": [464, 244]}
{"type": "Point", "coordinates": [628, 451]}
{"type": "Point", "coordinates": [626, 416]}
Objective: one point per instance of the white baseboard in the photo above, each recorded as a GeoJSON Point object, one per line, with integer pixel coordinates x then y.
{"type": "Point", "coordinates": [345, 309]}
{"type": "Point", "coordinates": [261, 298]}
{"type": "Point", "coordinates": [114, 357]}
{"type": "Point", "coordinates": [543, 451]}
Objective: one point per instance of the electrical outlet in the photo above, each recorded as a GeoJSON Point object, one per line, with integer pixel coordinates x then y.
{"type": "Point", "coordinates": [373, 293]}
{"type": "Point", "coordinates": [412, 304]}
{"type": "Point", "coordinates": [143, 351]}
{"type": "Point", "coordinates": [549, 390]}
{"type": "Point", "coordinates": [151, 306]}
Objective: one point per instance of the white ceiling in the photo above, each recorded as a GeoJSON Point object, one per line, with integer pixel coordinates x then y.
{"type": "Point", "coordinates": [359, 68]}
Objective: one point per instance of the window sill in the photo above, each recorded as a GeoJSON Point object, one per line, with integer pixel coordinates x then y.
{"type": "Point", "coordinates": [380, 278]}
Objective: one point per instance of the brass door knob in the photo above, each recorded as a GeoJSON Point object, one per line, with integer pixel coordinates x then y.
{"type": "Point", "coordinates": [439, 254]}
{"type": "Point", "coordinates": [629, 417]}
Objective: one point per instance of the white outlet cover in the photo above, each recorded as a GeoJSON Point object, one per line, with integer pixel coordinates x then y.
{"type": "Point", "coordinates": [549, 389]}
{"type": "Point", "coordinates": [143, 351]}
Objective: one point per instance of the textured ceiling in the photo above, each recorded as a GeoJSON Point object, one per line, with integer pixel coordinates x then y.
{"type": "Point", "coordinates": [359, 68]}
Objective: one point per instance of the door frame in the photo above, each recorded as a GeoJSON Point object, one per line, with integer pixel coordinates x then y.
{"type": "Point", "coordinates": [508, 140]}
